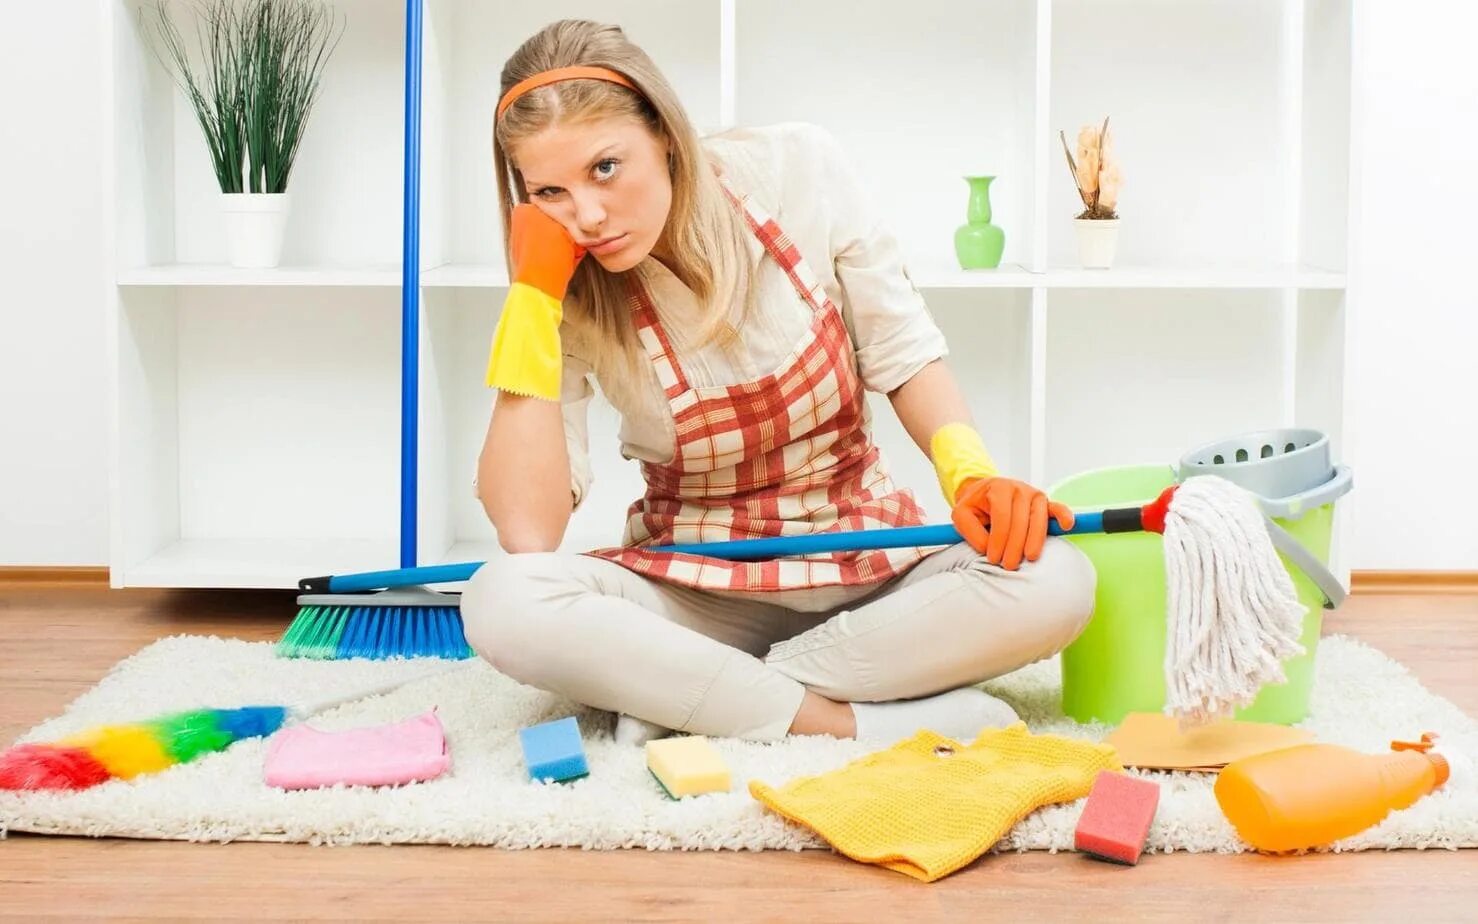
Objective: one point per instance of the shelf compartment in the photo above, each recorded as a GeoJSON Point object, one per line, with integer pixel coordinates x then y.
{"type": "Point", "coordinates": [347, 178]}
{"type": "Point", "coordinates": [1194, 92]}
{"type": "Point", "coordinates": [254, 416]}
{"type": "Point", "coordinates": [915, 106]}
{"type": "Point", "coordinates": [1143, 376]}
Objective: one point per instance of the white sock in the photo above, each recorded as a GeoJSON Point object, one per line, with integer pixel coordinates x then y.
{"type": "Point", "coordinates": [637, 732]}
{"type": "Point", "coordinates": [960, 714]}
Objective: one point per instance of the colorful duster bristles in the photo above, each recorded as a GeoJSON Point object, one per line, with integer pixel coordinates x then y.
{"type": "Point", "coordinates": [126, 751]}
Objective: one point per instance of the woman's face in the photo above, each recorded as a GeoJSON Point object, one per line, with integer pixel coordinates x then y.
{"type": "Point", "coordinates": [606, 181]}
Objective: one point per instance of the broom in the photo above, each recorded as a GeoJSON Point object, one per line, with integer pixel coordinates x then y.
{"type": "Point", "coordinates": [335, 622]}
{"type": "Point", "coordinates": [122, 752]}
{"type": "Point", "coordinates": [1234, 614]}
{"type": "Point", "coordinates": [411, 621]}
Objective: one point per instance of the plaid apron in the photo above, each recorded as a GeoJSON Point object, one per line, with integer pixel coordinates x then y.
{"type": "Point", "coordinates": [788, 454]}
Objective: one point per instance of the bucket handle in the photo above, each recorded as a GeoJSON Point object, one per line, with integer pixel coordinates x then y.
{"type": "Point", "coordinates": [1296, 505]}
{"type": "Point", "coordinates": [1308, 563]}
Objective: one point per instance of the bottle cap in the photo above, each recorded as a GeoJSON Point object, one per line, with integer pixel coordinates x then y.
{"type": "Point", "coordinates": [1424, 746]}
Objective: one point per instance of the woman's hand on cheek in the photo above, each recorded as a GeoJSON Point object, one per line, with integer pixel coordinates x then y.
{"type": "Point", "coordinates": [544, 255]}
{"type": "Point", "coordinates": [527, 354]}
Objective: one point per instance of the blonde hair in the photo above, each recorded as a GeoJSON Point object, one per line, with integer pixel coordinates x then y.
{"type": "Point", "coordinates": [705, 234]}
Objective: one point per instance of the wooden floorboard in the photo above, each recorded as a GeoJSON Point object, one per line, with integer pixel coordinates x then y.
{"type": "Point", "coordinates": [57, 640]}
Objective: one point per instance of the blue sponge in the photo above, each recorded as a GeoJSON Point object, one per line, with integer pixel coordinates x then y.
{"type": "Point", "coordinates": [553, 751]}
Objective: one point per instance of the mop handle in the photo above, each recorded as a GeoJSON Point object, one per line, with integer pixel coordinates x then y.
{"type": "Point", "coordinates": [1118, 520]}
{"type": "Point", "coordinates": [1150, 517]}
{"type": "Point", "coordinates": [899, 537]}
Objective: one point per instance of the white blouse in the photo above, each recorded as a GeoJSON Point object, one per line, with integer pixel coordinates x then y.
{"type": "Point", "coordinates": [798, 173]}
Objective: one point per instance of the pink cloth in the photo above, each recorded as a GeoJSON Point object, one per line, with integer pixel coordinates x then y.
{"type": "Point", "coordinates": [303, 757]}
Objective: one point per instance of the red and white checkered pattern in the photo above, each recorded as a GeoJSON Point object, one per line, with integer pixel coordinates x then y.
{"type": "Point", "coordinates": [788, 454]}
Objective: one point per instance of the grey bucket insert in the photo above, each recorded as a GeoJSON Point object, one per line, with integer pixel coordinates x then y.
{"type": "Point", "coordinates": [1270, 463]}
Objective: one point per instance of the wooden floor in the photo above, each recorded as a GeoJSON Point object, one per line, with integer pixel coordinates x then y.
{"type": "Point", "coordinates": [55, 641]}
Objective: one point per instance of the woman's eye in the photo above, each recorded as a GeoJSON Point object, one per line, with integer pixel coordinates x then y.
{"type": "Point", "coordinates": [548, 192]}
{"type": "Point", "coordinates": [606, 169]}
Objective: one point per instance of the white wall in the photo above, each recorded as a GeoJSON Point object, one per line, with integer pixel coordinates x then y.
{"type": "Point", "coordinates": [1411, 289]}
{"type": "Point", "coordinates": [1413, 387]}
{"type": "Point", "coordinates": [53, 419]}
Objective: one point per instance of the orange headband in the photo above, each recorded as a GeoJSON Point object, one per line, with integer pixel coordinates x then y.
{"type": "Point", "coordinates": [557, 74]}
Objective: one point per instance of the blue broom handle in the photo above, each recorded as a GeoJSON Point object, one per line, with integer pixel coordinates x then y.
{"type": "Point", "coordinates": [738, 550]}
{"type": "Point", "coordinates": [410, 287]}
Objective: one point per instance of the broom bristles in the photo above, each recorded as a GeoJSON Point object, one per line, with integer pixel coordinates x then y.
{"type": "Point", "coordinates": [359, 631]}
{"type": "Point", "coordinates": [1234, 614]}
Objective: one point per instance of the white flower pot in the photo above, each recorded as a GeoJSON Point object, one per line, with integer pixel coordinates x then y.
{"type": "Point", "coordinates": [1097, 240]}
{"type": "Point", "coordinates": [255, 226]}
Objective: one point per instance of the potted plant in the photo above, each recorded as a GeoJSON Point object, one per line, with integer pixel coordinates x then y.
{"type": "Point", "coordinates": [252, 86]}
{"type": "Point", "coordinates": [1098, 179]}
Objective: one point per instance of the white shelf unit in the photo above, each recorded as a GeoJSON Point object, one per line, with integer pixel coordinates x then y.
{"type": "Point", "coordinates": [257, 411]}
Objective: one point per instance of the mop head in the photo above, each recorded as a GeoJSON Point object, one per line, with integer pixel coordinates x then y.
{"type": "Point", "coordinates": [1234, 614]}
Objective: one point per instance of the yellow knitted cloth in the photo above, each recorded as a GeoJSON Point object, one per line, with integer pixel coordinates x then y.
{"type": "Point", "coordinates": [929, 805]}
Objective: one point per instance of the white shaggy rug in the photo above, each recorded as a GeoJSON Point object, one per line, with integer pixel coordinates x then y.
{"type": "Point", "coordinates": [1363, 699]}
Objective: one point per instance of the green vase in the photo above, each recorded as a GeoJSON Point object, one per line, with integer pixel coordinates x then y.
{"type": "Point", "coordinates": [978, 243]}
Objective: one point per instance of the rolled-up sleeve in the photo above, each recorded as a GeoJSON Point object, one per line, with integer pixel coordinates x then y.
{"type": "Point", "coordinates": [575, 394]}
{"type": "Point", "coordinates": [891, 326]}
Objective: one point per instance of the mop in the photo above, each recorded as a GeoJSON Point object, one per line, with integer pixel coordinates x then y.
{"type": "Point", "coordinates": [1233, 613]}
{"type": "Point", "coordinates": [1232, 609]}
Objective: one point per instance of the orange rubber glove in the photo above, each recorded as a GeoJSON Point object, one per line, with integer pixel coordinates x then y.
{"type": "Point", "coordinates": [1006, 519]}
{"type": "Point", "coordinates": [526, 357]}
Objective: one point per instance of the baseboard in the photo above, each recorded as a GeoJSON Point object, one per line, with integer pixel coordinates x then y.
{"type": "Point", "coordinates": [1414, 582]}
{"type": "Point", "coordinates": [1361, 582]}
{"type": "Point", "coordinates": [91, 575]}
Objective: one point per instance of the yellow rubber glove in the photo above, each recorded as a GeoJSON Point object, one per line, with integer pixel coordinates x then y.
{"type": "Point", "coordinates": [1002, 518]}
{"type": "Point", "coordinates": [959, 456]}
{"type": "Point", "coordinates": [526, 357]}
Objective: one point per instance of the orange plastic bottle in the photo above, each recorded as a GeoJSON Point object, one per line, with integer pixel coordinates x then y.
{"type": "Point", "coordinates": [1314, 794]}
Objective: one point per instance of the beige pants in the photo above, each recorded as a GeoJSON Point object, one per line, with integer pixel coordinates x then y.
{"type": "Point", "coordinates": [738, 664]}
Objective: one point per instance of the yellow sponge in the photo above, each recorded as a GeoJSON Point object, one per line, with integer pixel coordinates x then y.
{"type": "Point", "coordinates": [687, 766]}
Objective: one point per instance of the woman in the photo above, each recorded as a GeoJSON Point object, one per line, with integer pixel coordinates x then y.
{"type": "Point", "coordinates": [733, 299]}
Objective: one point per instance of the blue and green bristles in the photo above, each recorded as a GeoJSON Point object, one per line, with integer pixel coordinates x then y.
{"type": "Point", "coordinates": [412, 622]}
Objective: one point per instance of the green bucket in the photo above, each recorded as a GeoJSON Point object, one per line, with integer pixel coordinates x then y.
{"type": "Point", "coordinates": [1116, 666]}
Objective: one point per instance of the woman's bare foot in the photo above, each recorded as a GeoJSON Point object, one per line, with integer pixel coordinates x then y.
{"type": "Point", "coordinates": [821, 716]}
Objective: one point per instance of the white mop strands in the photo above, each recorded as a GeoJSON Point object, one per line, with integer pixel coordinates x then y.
{"type": "Point", "coordinates": [1233, 612]}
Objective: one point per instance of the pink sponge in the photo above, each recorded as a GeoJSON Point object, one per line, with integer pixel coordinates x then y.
{"type": "Point", "coordinates": [1117, 818]}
